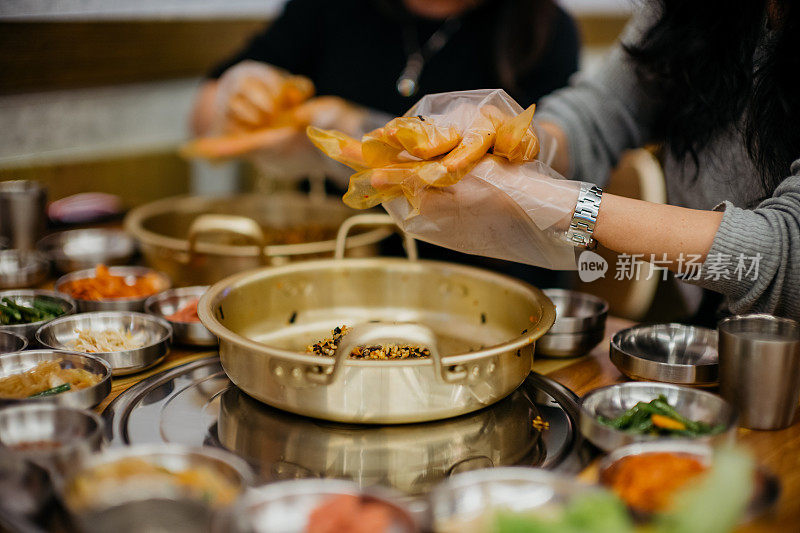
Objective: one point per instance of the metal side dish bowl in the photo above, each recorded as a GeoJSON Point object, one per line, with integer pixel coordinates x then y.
{"type": "Point", "coordinates": [135, 304]}
{"type": "Point", "coordinates": [19, 362]}
{"type": "Point", "coordinates": [580, 324]}
{"type": "Point", "coordinates": [54, 436]}
{"type": "Point", "coordinates": [151, 335]}
{"type": "Point", "coordinates": [11, 342]}
{"type": "Point", "coordinates": [669, 353]}
{"type": "Point", "coordinates": [166, 304]}
{"type": "Point", "coordinates": [614, 400]}
{"type": "Point", "coordinates": [82, 249]}
{"type": "Point", "coordinates": [27, 297]}
{"type": "Point", "coordinates": [22, 268]}
{"type": "Point", "coordinates": [155, 488]}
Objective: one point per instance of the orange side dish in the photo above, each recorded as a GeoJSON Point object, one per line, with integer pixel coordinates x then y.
{"type": "Point", "coordinates": [106, 286]}
{"type": "Point", "coordinates": [649, 481]}
{"type": "Point", "coordinates": [346, 513]}
{"type": "Point", "coordinates": [187, 313]}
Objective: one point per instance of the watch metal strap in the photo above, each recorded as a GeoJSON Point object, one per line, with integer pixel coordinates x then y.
{"type": "Point", "coordinates": [584, 218]}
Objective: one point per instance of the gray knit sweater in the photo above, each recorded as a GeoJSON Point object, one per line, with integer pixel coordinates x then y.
{"type": "Point", "coordinates": [755, 258]}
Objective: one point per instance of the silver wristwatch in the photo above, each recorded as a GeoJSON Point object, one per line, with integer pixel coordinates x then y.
{"type": "Point", "coordinates": [584, 218]}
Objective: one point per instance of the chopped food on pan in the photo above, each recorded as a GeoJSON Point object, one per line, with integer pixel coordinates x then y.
{"type": "Point", "coordinates": [346, 513]}
{"type": "Point", "coordinates": [658, 417]}
{"type": "Point", "coordinates": [649, 481]}
{"type": "Point", "coordinates": [46, 379]}
{"type": "Point", "coordinates": [327, 347]}
{"type": "Point", "coordinates": [12, 313]}
{"type": "Point", "coordinates": [104, 286]}
{"type": "Point", "coordinates": [187, 313]}
{"type": "Point", "coordinates": [107, 484]}
{"type": "Point", "coordinates": [104, 341]}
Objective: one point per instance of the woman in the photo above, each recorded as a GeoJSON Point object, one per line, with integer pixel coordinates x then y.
{"type": "Point", "coordinates": [716, 83]}
{"type": "Point", "coordinates": [385, 54]}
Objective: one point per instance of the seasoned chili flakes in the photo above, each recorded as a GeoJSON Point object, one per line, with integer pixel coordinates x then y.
{"type": "Point", "coordinates": [327, 347]}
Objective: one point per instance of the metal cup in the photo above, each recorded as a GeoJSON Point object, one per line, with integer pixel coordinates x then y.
{"type": "Point", "coordinates": [22, 212]}
{"type": "Point", "coordinates": [759, 369]}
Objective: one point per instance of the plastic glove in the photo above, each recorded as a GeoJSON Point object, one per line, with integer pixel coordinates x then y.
{"type": "Point", "coordinates": [433, 173]}
{"type": "Point", "coordinates": [262, 113]}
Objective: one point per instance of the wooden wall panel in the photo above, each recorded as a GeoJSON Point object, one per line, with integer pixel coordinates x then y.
{"type": "Point", "coordinates": [61, 55]}
{"type": "Point", "coordinates": [137, 178]}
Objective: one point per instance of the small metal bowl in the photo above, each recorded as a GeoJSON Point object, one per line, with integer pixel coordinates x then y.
{"type": "Point", "coordinates": [26, 297]}
{"type": "Point", "coordinates": [155, 332]}
{"type": "Point", "coordinates": [22, 268]}
{"type": "Point", "coordinates": [112, 304]}
{"type": "Point", "coordinates": [465, 501]}
{"type": "Point", "coordinates": [168, 302]}
{"type": "Point", "coordinates": [139, 505]}
{"type": "Point", "coordinates": [613, 400]}
{"type": "Point", "coordinates": [53, 436]}
{"type": "Point", "coordinates": [11, 342]}
{"type": "Point", "coordinates": [580, 324]}
{"type": "Point", "coordinates": [286, 506]}
{"type": "Point", "coordinates": [669, 353]}
{"type": "Point", "coordinates": [82, 249]}
{"type": "Point", "coordinates": [767, 486]}
{"type": "Point", "coordinates": [16, 363]}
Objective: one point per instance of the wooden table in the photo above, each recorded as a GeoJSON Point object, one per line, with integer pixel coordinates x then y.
{"type": "Point", "coordinates": [777, 450]}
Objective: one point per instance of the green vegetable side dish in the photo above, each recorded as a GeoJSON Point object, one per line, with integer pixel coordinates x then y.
{"type": "Point", "coordinates": [12, 313]}
{"type": "Point", "coordinates": [658, 417]}
{"type": "Point", "coordinates": [52, 392]}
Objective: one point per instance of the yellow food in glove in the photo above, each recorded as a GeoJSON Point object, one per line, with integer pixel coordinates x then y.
{"type": "Point", "coordinates": [412, 153]}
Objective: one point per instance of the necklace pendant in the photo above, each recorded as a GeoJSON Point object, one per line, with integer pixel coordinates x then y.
{"type": "Point", "coordinates": [407, 86]}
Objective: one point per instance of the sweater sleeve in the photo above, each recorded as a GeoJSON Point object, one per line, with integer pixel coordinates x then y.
{"type": "Point", "coordinates": [603, 112]}
{"type": "Point", "coordinates": [755, 257]}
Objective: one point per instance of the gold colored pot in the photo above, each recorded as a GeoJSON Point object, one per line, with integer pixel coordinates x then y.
{"type": "Point", "coordinates": [198, 240]}
{"type": "Point", "coordinates": [482, 327]}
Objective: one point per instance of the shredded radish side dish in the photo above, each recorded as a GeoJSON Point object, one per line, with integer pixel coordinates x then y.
{"type": "Point", "coordinates": [104, 341]}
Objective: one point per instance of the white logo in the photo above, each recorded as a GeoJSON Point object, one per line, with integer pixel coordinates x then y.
{"type": "Point", "coordinates": [591, 266]}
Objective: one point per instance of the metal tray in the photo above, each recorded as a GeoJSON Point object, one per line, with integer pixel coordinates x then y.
{"type": "Point", "coordinates": [196, 404]}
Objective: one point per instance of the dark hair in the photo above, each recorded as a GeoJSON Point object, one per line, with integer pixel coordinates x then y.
{"type": "Point", "coordinates": [521, 34]}
{"type": "Point", "coordinates": [524, 29]}
{"type": "Point", "coordinates": [714, 65]}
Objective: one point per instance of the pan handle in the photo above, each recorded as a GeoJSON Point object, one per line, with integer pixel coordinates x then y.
{"type": "Point", "coordinates": [372, 219]}
{"type": "Point", "coordinates": [238, 225]}
{"type": "Point", "coordinates": [374, 333]}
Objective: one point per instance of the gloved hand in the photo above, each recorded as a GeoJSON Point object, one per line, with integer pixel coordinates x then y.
{"type": "Point", "coordinates": [433, 172]}
{"type": "Point", "coordinates": [261, 114]}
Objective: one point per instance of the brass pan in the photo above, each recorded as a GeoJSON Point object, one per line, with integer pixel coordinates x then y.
{"type": "Point", "coordinates": [198, 240]}
{"type": "Point", "coordinates": [480, 326]}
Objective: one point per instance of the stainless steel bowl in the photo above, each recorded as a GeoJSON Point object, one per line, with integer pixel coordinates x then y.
{"type": "Point", "coordinates": [112, 304]}
{"type": "Point", "coordinates": [82, 249]}
{"type": "Point", "coordinates": [11, 342]}
{"type": "Point", "coordinates": [22, 268]}
{"type": "Point", "coordinates": [142, 505]}
{"type": "Point", "coordinates": [16, 363]}
{"type": "Point", "coordinates": [613, 400]}
{"type": "Point", "coordinates": [26, 297]}
{"type": "Point", "coordinates": [670, 353]}
{"type": "Point", "coordinates": [467, 502]}
{"type": "Point", "coordinates": [168, 302]}
{"type": "Point", "coordinates": [154, 332]}
{"type": "Point", "coordinates": [580, 324]}
{"type": "Point", "coordinates": [767, 485]}
{"type": "Point", "coordinates": [54, 436]}
{"type": "Point", "coordinates": [286, 506]}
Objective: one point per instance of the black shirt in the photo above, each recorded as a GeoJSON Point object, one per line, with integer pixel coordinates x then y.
{"type": "Point", "coordinates": [355, 50]}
